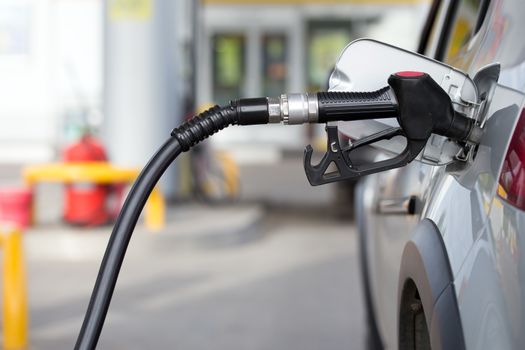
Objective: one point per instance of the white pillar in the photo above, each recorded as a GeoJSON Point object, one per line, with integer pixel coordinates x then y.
{"type": "Point", "coordinates": [141, 97]}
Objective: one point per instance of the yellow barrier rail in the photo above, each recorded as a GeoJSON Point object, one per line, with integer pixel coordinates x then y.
{"type": "Point", "coordinates": [15, 319]}
{"type": "Point", "coordinates": [100, 173]}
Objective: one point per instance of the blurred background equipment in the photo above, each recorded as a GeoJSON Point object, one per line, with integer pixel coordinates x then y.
{"type": "Point", "coordinates": [86, 203]}
{"type": "Point", "coordinates": [97, 174]}
{"type": "Point", "coordinates": [16, 205]}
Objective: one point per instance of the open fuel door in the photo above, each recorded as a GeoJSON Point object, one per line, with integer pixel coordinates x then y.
{"type": "Point", "coordinates": [366, 64]}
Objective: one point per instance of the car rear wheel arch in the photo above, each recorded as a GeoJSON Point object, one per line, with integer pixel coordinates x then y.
{"type": "Point", "coordinates": [426, 278]}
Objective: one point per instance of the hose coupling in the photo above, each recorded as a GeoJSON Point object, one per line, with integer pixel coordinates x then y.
{"type": "Point", "coordinates": [294, 109]}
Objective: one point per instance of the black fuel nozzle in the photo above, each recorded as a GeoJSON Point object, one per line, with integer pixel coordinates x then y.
{"type": "Point", "coordinates": [419, 104]}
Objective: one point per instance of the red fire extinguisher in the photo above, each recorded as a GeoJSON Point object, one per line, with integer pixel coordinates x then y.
{"type": "Point", "coordinates": [86, 204]}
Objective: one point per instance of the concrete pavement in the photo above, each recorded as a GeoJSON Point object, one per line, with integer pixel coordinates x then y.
{"type": "Point", "coordinates": [293, 285]}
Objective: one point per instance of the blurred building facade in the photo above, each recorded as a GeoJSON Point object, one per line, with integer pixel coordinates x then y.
{"type": "Point", "coordinates": [53, 54]}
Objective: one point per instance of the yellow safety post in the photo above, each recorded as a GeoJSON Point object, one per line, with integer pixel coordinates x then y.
{"type": "Point", "coordinates": [231, 173]}
{"type": "Point", "coordinates": [155, 211]}
{"type": "Point", "coordinates": [15, 320]}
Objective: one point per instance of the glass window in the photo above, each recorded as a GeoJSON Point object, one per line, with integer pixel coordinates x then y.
{"type": "Point", "coordinates": [228, 67]}
{"type": "Point", "coordinates": [462, 30]}
{"type": "Point", "coordinates": [274, 67]}
{"type": "Point", "coordinates": [326, 40]}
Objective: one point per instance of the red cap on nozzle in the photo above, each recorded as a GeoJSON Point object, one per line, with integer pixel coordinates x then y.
{"type": "Point", "coordinates": [409, 74]}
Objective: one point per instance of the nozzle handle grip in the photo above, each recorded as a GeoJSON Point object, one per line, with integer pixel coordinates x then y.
{"type": "Point", "coordinates": [348, 106]}
{"type": "Point", "coordinates": [425, 108]}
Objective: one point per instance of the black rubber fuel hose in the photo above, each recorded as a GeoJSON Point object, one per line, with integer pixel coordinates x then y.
{"type": "Point", "coordinates": [242, 112]}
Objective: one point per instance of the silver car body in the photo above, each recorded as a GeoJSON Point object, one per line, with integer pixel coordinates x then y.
{"type": "Point", "coordinates": [481, 234]}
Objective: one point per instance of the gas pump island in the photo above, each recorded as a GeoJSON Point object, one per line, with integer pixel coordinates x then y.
{"type": "Point", "coordinates": [423, 99]}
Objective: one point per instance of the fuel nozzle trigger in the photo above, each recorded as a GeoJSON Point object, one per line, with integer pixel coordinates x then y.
{"type": "Point", "coordinates": [422, 108]}
{"type": "Point", "coordinates": [340, 157]}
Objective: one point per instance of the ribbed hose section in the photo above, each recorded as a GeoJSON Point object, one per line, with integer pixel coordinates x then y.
{"type": "Point", "coordinates": [204, 125]}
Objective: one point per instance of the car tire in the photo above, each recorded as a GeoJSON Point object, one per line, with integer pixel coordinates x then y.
{"type": "Point", "coordinates": [413, 330]}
